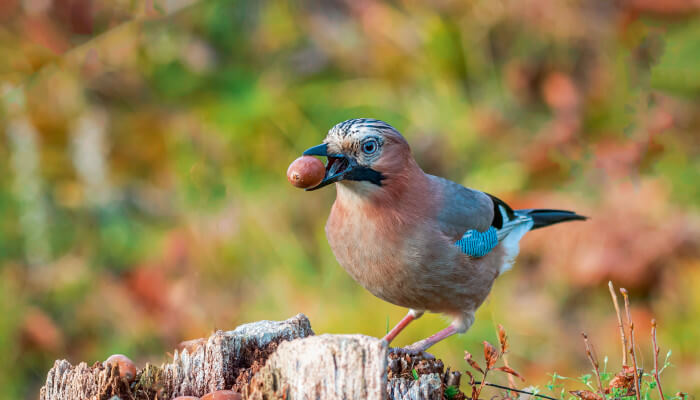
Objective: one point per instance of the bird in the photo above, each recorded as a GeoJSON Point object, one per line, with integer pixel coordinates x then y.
{"type": "Point", "coordinates": [413, 239]}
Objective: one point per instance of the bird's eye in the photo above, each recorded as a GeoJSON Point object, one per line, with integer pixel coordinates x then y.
{"type": "Point", "coordinates": [369, 147]}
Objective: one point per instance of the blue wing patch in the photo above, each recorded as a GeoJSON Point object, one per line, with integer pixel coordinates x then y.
{"type": "Point", "coordinates": [478, 244]}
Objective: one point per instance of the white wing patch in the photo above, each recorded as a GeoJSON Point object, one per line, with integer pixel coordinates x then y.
{"type": "Point", "coordinates": [478, 244]}
{"type": "Point", "coordinates": [509, 236]}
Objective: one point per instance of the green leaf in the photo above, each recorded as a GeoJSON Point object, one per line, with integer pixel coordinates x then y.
{"type": "Point", "coordinates": [415, 374]}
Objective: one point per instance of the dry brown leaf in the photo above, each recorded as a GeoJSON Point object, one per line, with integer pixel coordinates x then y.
{"type": "Point", "coordinates": [490, 355]}
{"type": "Point", "coordinates": [623, 380]}
{"type": "Point", "coordinates": [510, 370]}
{"type": "Point", "coordinates": [503, 339]}
{"type": "Point", "coordinates": [471, 377]}
{"type": "Point", "coordinates": [586, 395]}
{"type": "Point", "coordinates": [468, 358]}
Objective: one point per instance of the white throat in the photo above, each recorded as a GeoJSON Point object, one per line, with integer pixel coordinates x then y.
{"type": "Point", "coordinates": [355, 191]}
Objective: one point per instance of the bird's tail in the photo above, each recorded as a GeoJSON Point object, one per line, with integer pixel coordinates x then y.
{"type": "Point", "coordinates": [544, 217]}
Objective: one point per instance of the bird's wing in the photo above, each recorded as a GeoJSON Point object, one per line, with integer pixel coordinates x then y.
{"type": "Point", "coordinates": [461, 209]}
{"type": "Point", "coordinates": [506, 223]}
{"type": "Point", "coordinates": [474, 220]}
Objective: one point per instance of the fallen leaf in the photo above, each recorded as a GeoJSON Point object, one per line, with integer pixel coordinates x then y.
{"type": "Point", "coordinates": [623, 380]}
{"type": "Point", "coordinates": [586, 395]}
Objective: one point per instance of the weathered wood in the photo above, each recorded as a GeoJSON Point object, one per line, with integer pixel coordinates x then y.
{"type": "Point", "coordinates": [341, 367]}
{"type": "Point", "coordinates": [427, 387]}
{"type": "Point", "coordinates": [196, 371]}
{"type": "Point", "coordinates": [324, 367]}
{"type": "Point", "coordinates": [214, 366]}
{"type": "Point", "coordinates": [283, 360]}
{"type": "Point", "coordinates": [64, 381]}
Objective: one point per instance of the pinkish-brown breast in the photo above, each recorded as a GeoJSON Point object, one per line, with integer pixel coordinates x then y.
{"type": "Point", "coordinates": [398, 253]}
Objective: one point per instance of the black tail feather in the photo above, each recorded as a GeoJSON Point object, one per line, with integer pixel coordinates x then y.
{"type": "Point", "coordinates": [544, 217]}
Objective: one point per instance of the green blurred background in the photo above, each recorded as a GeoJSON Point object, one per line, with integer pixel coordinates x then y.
{"type": "Point", "coordinates": [143, 150]}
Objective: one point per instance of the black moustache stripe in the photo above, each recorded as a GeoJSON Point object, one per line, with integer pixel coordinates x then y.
{"type": "Point", "coordinates": [360, 173]}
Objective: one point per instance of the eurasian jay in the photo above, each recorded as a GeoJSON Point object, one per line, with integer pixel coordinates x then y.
{"type": "Point", "coordinates": [413, 239]}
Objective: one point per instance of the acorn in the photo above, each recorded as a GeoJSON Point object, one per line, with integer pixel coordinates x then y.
{"type": "Point", "coordinates": [306, 172]}
{"type": "Point", "coordinates": [127, 368]}
{"type": "Point", "coordinates": [222, 395]}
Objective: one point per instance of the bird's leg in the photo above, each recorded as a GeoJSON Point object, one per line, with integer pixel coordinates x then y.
{"type": "Point", "coordinates": [459, 325]}
{"type": "Point", "coordinates": [423, 345]}
{"type": "Point", "coordinates": [412, 314]}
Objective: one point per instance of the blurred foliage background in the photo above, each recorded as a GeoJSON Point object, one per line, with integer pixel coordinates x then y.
{"type": "Point", "coordinates": [143, 150]}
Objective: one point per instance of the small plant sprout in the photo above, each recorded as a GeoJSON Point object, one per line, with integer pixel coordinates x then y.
{"type": "Point", "coordinates": [667, 362]}
{"type": "Point", "coordinates": [656, 358]}
{"type": "Point", "coordinates": [552, 384]}
{"type": "Point", "coordinates": [630, 383]}
{"type": "Point", "coordinates": [625, 294]}
{"type": "Point", "coordinates": [623, 338]}
{"type": "Point", "coordinates": [491, 356]}
{"type": "Point", "coordinates": [605, 374]}
{"type": "Point", "coordinates": [594, 361]}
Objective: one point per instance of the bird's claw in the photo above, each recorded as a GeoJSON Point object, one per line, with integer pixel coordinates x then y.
{"type": "Point", "coordinates": [413, 352]}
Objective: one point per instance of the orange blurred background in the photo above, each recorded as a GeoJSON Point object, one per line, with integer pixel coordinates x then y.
{"type": "Point", "coordinates": [143, 150]}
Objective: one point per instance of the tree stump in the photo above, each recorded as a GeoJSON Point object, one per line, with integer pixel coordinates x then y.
{"type": "Point", "coordinates": [263, 361]}
{"type": "Point", "coordinates": [324, 367]}
{"type": "Point", "coordinates": [203, 366]}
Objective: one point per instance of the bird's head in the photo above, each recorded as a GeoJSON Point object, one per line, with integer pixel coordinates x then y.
{"type": "Point", "coordinates": [363, 153]}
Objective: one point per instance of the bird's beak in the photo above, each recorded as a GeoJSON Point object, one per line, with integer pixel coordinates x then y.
{"type": "Point", "coordinates": [337, 167]}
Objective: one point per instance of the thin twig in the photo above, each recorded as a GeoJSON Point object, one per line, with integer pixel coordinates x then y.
{"type": "Point", "coordinates": [656, 358]}
{"type": "Point", "coordinates": [511, 380]}
{"type": "Point", "coordinates": [516, 390]}
{"type": "Point", "coordinates": [594, 360]}
{"type": "Point", "coordinates": [619, 322]}
{"type": "Point", "coordinates": [625, 294]}
{"type": "Point", "coordinates": [482, 383]}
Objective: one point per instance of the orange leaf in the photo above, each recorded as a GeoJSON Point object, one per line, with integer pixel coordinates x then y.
{"type": "Point", "coordinates": [471, 377]}
{"type": "Point", "coordinates": [623, 380]}
{"type": "Point", "coordinates": [468, 358]}
{"type": "Point", "coordinates": [509, 370]}
{"type": "Point", "coordinates": [490, 355]}
{"type": "Point", "coordinates": [586, 395]}
{"type": "Point", "coordinates": [502, 338]}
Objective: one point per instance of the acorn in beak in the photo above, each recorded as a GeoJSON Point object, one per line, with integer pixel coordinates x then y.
{"type": "Point", "coordinates": [337, 167]}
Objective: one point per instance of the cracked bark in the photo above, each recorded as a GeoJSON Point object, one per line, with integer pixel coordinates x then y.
{"type": "Point", "coordinates": [299, 366]}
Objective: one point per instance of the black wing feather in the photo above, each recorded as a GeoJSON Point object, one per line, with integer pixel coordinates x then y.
{"type": "Point", "coordinates": [497, 216]}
